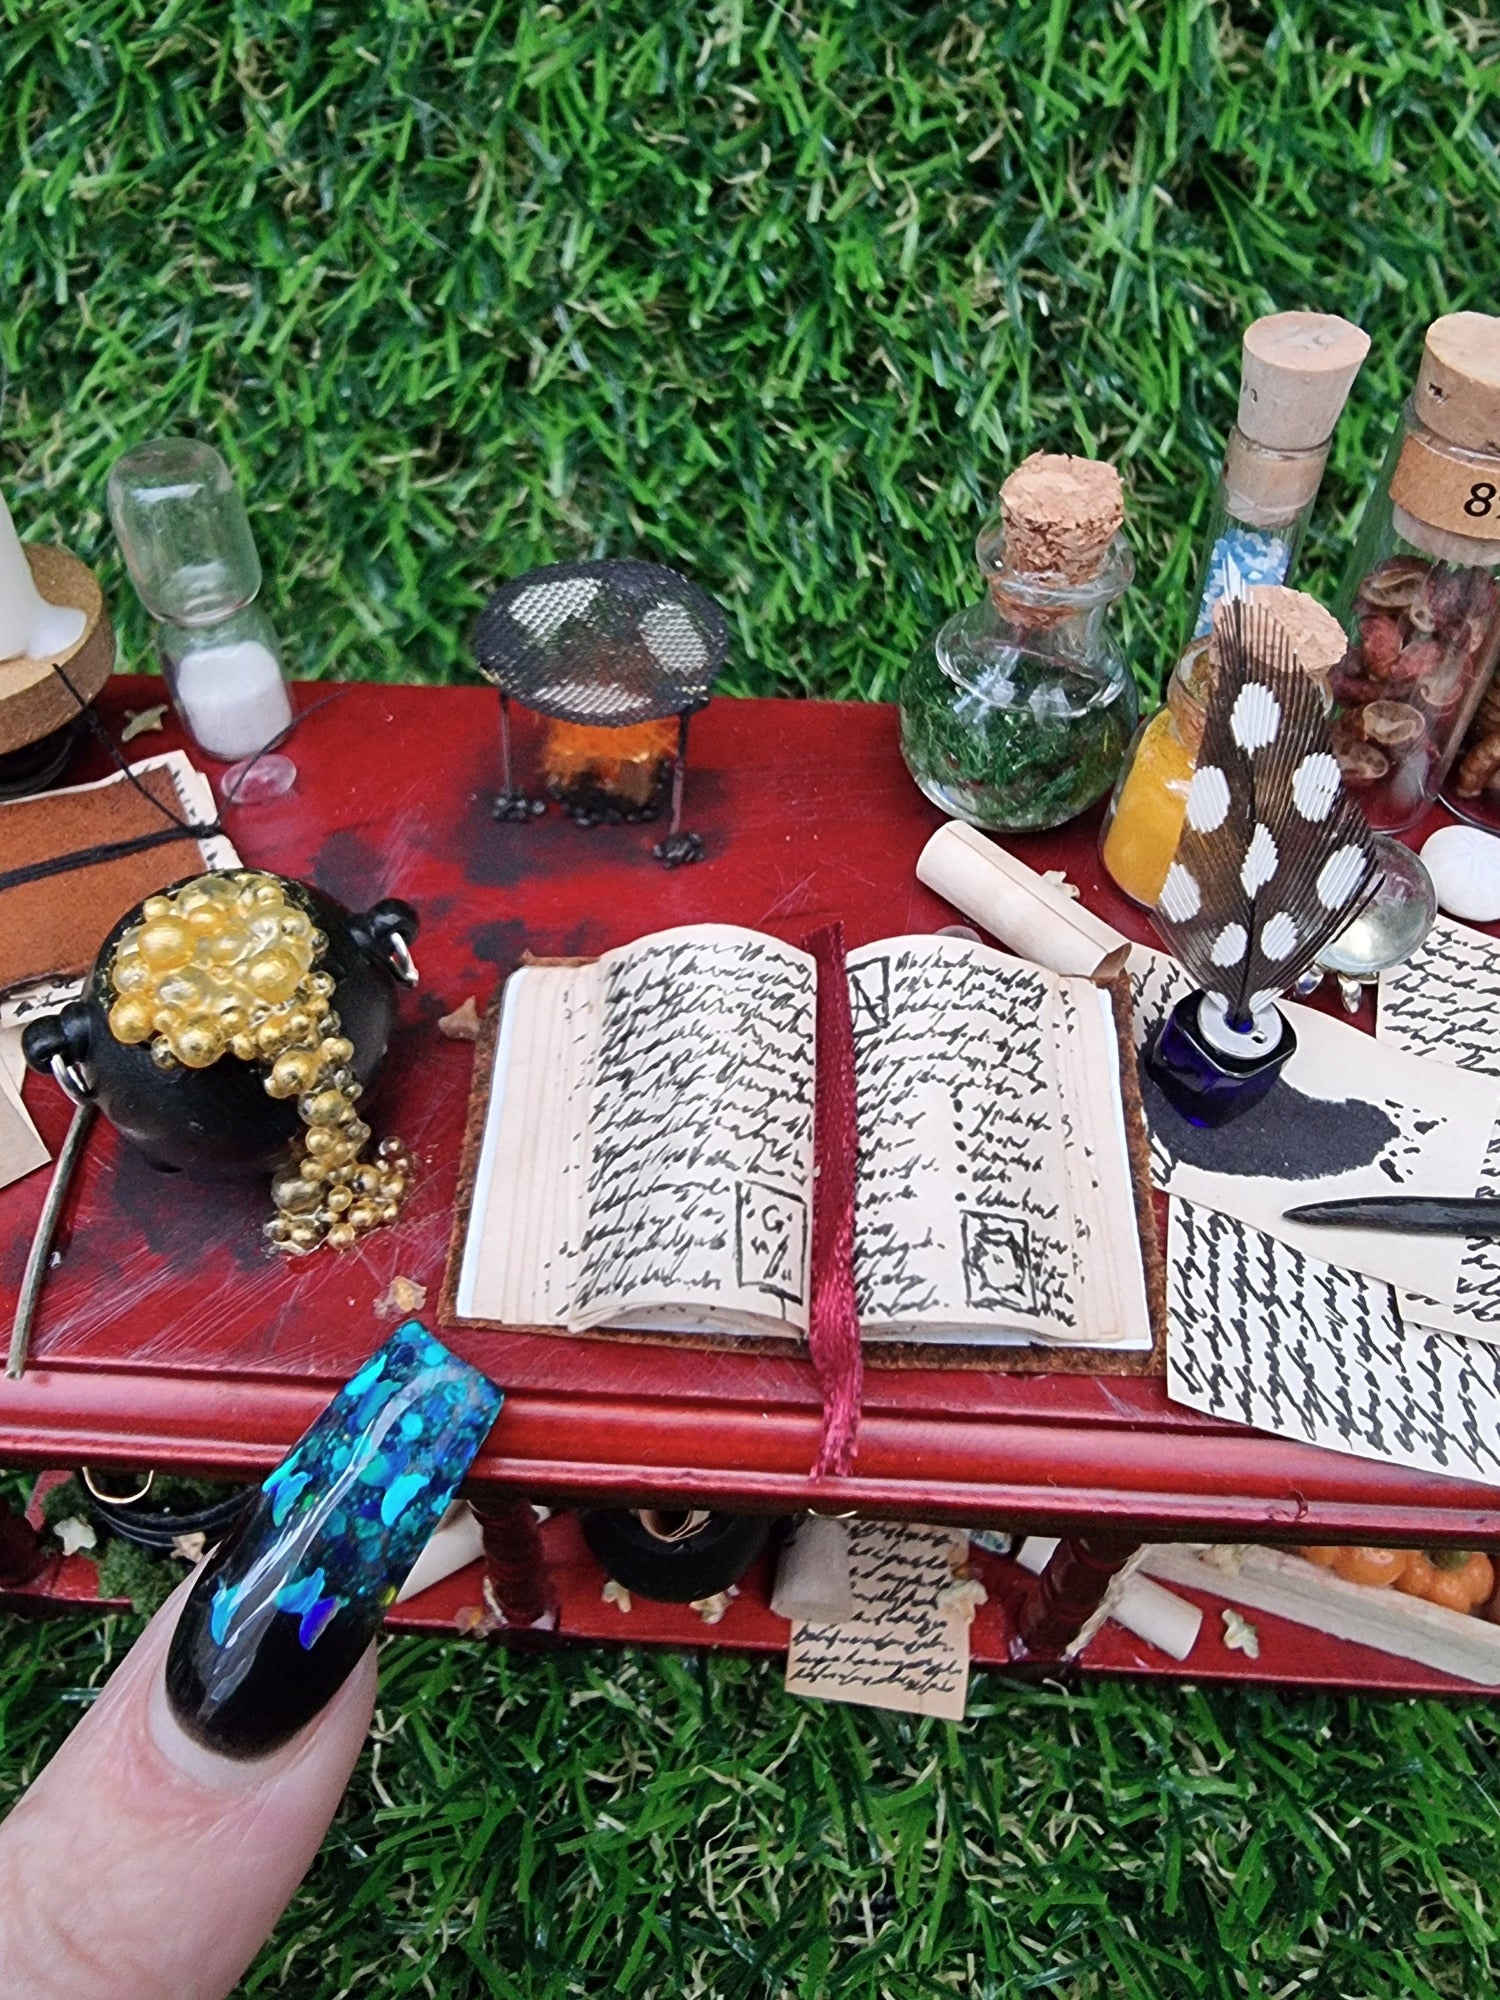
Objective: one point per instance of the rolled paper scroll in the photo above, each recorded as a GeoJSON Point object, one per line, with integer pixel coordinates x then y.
{"type": "Point", "coordinates": [812, 1577]}
{"type": "Point", "coordinates": [1029, 915]}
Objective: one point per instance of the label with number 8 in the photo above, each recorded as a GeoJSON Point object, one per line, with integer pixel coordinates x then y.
{"type": "Point", "coordinates": [1443, 490]}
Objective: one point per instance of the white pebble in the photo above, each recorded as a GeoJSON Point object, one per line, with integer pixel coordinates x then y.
{"type": "Point", "coordinates": [1464, 864]}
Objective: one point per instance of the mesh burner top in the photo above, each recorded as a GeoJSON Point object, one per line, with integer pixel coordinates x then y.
{"type": "Point", "coordinates": [602, 642]}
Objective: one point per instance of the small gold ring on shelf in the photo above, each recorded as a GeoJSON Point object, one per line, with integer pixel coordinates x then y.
{"type": "Point", "coordinates": [115, 1499]}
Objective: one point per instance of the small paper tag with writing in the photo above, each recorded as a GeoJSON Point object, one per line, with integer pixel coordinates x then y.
{"type": "Point", "coordinates": [907, 1644]}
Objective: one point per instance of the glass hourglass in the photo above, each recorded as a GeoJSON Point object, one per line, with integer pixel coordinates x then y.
{"type": "Point", "coordinates": [185, 536]}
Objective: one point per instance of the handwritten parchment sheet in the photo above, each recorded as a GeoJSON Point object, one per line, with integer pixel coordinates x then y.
{"type": "Point", "coordinates": [1348, 1116]}
{"type": "Point", "coordinates": [21, 1147]}
{"type": "Point", "coordinates": [907, 1644]}
{"type": "Point", "coordinates": [1261, 1334]}
{"type": "Point", "coordinates": [1444, 1003]}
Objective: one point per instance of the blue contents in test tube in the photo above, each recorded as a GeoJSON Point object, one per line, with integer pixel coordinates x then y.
{"type": "Point", "coordinates": [1241, 557]}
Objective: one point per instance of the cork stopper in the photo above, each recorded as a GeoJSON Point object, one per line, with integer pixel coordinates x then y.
{"type": "Point", "coordinates": [1269, 489]}
{"type": "Point", "coordinates": [1458, 384]}
{"type": "Point", "coordinates": [1314, 635]}
{"type": "Point", "coordinates": [1296, 370]}
{"type": "Point", "coordinates": [1061, 513]}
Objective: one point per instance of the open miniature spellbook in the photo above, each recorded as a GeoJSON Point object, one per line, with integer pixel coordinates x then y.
{"type": "Point", "coordinates": [647, 1155]}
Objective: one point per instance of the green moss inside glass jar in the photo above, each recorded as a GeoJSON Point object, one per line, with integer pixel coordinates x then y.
{"type": "Point", "coordinates": [1016, 715]}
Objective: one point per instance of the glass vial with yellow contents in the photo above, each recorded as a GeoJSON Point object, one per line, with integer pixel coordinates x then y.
{"type": "Point", "coordinates": [1296, 370]}
{"type": "Point", "coordinates": [1144, 822]}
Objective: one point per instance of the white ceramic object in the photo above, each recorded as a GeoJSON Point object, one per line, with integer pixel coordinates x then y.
{"type": "Point", "coordinates": [30, 627]}
{"type": "Point", "coordinates": [1464, 863]}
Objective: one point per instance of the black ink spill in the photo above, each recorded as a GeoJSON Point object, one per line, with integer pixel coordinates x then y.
{"type": "Point", "coordinates": [1286, 1137]}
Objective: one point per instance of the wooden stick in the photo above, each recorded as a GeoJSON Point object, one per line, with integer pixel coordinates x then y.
{"type": "Point", "coordinates": [41, 1244]}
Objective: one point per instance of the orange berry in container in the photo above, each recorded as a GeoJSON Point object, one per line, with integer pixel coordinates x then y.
{"type": "Point", "coordinates": [1419, 1576]}
{"type": "Point", "coordinates": [1323, 1554]}
{"type": "Point", "coordinates": [1378, 1568]}
{"type": "Point", "coordinates": [1465, 1579]}
{"type": "Point", "coordinates": [1458, 1579]}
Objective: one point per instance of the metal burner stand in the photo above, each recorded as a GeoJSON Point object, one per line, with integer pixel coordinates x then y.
{"type": "Point", "coordinates": [604, 645]}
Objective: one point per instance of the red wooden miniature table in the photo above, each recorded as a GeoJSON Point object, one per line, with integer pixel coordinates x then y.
{"type": "Point", "coordinates": [167, 1338]}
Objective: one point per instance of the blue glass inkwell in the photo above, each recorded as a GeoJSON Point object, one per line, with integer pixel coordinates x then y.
{"type": "Point", "coordinates": [1211, 1070]}
{"type": "Point", "coordinates": [1274, 862]}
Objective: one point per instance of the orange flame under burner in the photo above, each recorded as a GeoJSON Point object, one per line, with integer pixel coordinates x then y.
{"type": "Point", "coordinates": [624, 764]}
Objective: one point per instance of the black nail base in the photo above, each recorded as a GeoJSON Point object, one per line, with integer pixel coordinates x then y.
{"type": "Point", "coordinates": [284, 1610]}
{"type": "Point", "coordinates": [286, 1687]}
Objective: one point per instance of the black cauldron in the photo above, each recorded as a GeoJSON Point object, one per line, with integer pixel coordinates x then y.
{"type": "Point", "coordinates": [220, 1121]}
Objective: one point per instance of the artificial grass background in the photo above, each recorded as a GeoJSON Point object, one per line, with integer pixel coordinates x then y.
{"type": "Point", "coordinates": [625, 1824]}
{"type": "Point", "coordinates": [778, 294]}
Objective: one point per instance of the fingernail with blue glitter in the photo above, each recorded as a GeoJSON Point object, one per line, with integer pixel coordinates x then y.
{"type": "Point", "coordinates": [284, 1610]}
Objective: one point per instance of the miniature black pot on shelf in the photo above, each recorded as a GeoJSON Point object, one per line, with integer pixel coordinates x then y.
{"type": "Point", "coordinates": [675, 1556]}
{"type": "Point", "coordinates": [220, 1121]}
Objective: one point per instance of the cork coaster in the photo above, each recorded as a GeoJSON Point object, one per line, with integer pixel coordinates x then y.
{"type": "Point", "coordinates": [33, 700]}
{"type": "Point", "coordinates": [55, 925]}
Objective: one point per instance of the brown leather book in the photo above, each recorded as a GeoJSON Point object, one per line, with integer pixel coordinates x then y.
{"type": "Point", "coordinates": [54, 924]}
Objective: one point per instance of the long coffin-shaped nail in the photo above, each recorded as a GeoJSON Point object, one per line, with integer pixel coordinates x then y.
{"type": "Point", "coordinates": [285, 1608]}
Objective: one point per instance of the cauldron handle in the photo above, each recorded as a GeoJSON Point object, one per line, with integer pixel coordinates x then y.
{"type": "Point", "coordinates": [384, 934]}
{"type": "Point", "coordinates": [59, 1045]}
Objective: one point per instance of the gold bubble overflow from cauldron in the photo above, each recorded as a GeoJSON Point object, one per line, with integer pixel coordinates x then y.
{"type": "Point", "coordinates": [227, 965]}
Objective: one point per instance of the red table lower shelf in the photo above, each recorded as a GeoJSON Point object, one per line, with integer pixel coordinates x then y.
{"type": "Point", "coordinates": [167, 1338]}
{"type": "Point", "coordinates": [1289, 1654]}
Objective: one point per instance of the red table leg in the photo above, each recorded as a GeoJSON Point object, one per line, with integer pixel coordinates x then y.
{"type": "Point", "coordinates": [1069, 1589]}
{"type": "Point", "coordinates": [515, 1562]}
{"type": "Point", "coordinates": [23, 1554]}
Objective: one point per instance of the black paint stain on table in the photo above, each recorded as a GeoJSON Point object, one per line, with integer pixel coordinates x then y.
{"type": "Point", "coordinates": [1286, 1137]}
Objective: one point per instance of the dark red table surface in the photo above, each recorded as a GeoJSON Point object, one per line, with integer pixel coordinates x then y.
{"type": "Point", "coordinates": [167, 1337]}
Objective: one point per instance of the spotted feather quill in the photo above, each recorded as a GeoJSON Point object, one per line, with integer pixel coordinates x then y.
{"type": "Point", "coordinates": [1274, 858]}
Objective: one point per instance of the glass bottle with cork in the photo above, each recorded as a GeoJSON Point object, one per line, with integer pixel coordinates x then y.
{"type": "Point", "coordinates": [1295, 375]}
{"type": "Point", "coordinates": [1420, 600]}
{"type": "Point", "coordinates": [1014, 716]}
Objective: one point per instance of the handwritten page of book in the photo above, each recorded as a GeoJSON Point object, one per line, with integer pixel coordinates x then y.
{"type": "Point", "coordinates": [698, 1164]}
{"type": "Point", "coordinates": [1348, 1116]}
{"type": "Point", "coordinates": [1261, 1334]}
{"type": "Point", "coordinates": [964, 1208]}
{"type": "Point", "coordinates": [1098, 1163]}
{"type": "Point", "coordinates": [524, 1206]}
{"type": "Point", "coordinates": [907, 1644]}
{"type": "Point", "coordinates": [1444, 1003]}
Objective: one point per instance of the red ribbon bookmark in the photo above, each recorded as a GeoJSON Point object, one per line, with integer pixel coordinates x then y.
{"type": "Point", "coordinates": [833, 1328]}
